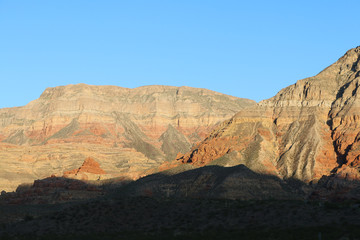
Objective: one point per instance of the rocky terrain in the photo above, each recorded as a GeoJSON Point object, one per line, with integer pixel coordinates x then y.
{"type": "Point", "coordinates": [126, 132]}
{"type": "Point", "coordinates": [52, 190]}
{"type": "Point", "coordinates": [307, 131]}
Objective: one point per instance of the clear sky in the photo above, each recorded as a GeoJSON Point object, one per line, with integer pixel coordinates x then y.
{"type": "Point", "coordinates": [249, 49]}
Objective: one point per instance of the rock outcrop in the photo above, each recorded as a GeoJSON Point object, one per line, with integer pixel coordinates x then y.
{"type": "Point", "coordinates": [90, 169]}
{"type": "Point", "coordinates": [51, 190]}
{"type": "Point", "coordinates": [307, 130]}
{"type": "Point", "coordinates": [127, 131]}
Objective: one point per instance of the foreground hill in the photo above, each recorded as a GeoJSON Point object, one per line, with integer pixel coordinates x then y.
{"type": "Point", "coordinates": [125, 132]}
{"type": "Point", "coordinates": [307, 130]}
{"type": "Point", "coordinates": [150, 218]}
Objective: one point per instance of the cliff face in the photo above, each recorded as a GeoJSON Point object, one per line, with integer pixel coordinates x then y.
{"type": "Point", "coordinates": [127, 131]}
{"type": "Point", "coordinates": [307, 130]}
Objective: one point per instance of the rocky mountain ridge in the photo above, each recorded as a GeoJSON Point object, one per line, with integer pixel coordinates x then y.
{"type": "Point", "coordinates": [308, 130]}
{"type": "Point", "coordinates": [127, 131]}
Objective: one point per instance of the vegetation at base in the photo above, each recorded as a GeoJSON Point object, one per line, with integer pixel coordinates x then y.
{"type": "Point", "coordinates": [151, 218]}
{"type": "Point", "coordinates": [323, 232]}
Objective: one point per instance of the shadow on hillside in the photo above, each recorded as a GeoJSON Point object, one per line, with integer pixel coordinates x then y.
{"type": "Point", "coordinates": [213, 182]}
{"type": "Point", "coordinates": [238, 182]}
{"type": "Point", "coordinates": [194, 201]}
{"type": "Point", "coordinates": [52, 190]}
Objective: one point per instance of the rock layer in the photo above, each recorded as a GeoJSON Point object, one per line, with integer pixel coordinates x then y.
{"type": "Point", "coordinates": [307, 130]}
{"type": "Point", "coordinates": [127, 131]}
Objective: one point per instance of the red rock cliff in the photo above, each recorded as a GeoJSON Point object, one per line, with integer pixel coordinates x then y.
{"type": "Point", "coordinates": [307, 130]}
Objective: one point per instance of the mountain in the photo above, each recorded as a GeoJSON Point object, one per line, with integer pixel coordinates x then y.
{"type": "Point", "coordinates": [308, 130]}
{"type": "Point", "coordinates": [287, 166]}
{"type": "Point", "coordinates": [124, 132]}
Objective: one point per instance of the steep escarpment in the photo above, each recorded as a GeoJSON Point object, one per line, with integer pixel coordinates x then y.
{"type": "Point", "coordinates": [307, 130]}
{"type": "Point", "coordinates": [126, 131]}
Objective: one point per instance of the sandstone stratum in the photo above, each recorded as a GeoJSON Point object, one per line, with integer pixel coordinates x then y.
{"type": "Point", "coordinates": [100, 132]}
{"type": "Point", "coordinates": [308, 131]}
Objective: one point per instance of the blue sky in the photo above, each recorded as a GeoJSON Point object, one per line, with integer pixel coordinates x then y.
{"type": "Point", "coordinates": [249, 49]}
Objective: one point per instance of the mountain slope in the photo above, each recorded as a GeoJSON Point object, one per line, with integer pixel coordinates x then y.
{"type": "Point", "coordinates": [307, 130]}
{"type": "Point", "coordinates": [126, 131]}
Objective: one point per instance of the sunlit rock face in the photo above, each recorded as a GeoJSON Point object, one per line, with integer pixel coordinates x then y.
{"type": "Point", "coordinates": [126, 131]}
{"type": "Point", "coordinates": [307, 130]}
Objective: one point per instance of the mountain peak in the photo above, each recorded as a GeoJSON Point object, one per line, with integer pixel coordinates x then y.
{"type": "Point", "coordinates": [322, 89]}
{"type": "Point", "coordinates": [343, 68]}
{"type": "Point", "coordinates": [305, 131]}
